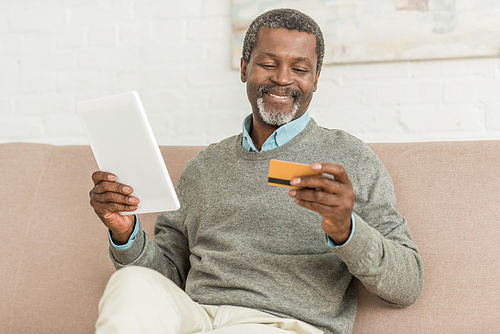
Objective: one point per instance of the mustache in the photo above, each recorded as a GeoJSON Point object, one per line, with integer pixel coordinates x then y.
{"type": "Point", "coordinates": [273, 89]}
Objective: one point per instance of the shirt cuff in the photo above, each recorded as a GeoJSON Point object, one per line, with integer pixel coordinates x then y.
{"type": "Point", "coordinates": [130, 240]}
{"type": "Point", "coordinates": [332, 243]}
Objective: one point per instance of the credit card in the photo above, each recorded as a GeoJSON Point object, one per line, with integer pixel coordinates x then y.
{"type": "Point", "coordinates": [281, 172]}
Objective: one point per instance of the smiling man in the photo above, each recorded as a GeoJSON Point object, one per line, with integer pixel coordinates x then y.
{"type": "Point", "coordinates": [241, 256]}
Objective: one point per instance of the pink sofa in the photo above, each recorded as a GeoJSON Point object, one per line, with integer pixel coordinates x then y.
{"type": "Point", "coordinates": [54, 251]}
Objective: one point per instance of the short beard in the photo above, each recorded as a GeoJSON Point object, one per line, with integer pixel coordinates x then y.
{"type": "Point", "coordinates": [277, 117]}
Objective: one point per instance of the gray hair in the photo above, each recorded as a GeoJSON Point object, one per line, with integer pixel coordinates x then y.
{"type": "Point", "coordinates": [286, 18]}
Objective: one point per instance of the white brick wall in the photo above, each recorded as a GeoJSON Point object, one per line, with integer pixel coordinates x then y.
{"type": "Point", "coordinates": [176, 54]}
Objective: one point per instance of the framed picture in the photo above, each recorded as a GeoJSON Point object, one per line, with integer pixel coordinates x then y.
{"type": "Point", "coordinates": [388, 30]}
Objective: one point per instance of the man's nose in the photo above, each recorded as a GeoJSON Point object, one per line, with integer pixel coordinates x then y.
{"type": "Point", "coordinates": [283, 76]}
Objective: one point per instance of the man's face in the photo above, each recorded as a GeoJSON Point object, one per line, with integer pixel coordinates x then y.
{"type": "Point", "coordinates": [281, 75]}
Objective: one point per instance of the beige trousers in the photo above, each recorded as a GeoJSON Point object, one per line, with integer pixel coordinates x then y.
{"type": "Point", "coordinates": [141, 300]}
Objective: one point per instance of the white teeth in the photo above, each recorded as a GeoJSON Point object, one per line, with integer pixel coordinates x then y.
{"type": "Point", "coordinates": [279, 96]}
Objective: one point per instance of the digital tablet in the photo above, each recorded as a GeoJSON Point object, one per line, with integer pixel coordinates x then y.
{"type": "Point", "coordinates": [123, 143]}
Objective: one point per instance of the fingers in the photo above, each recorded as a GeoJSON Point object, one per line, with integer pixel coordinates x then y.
{"type": "Point", "coordinates": [323, 193]}
{"type": "Point", "coordinates": [108, 196]}
{"type": "Point", "coordinates": [331, 185]}
{"type": "Point", "coordinates": [337, 171]}
{"type": "Point", "coordinates": [105, 186]}
{"type": "Point", "coordinates": [100, 176]}
{"type": "Point", "coordinates": [316, 196]}
{"type": "Point", "coordinates": [107, 203]}
{"type": "Point", "coordinates": [324, 203]}
{"type": "Point", "coordinates": [107, 210]}
{"type": "Point", "coordinates": [322, 209]}
{"type": "Point", "coordinates": [105, 182]}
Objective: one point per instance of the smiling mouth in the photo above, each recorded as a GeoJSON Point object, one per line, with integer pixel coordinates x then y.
{"type": "Point", "coordinates": [282, 98]}
{"type": "Point", "coordinates": [279, 94]}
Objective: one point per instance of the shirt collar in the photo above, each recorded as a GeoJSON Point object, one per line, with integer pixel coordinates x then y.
{"type": "Point", "coordinates": [281, 136]}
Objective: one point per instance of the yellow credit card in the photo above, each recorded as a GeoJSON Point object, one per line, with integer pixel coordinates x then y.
{"type": "Point", "coordinates": [281, 172]}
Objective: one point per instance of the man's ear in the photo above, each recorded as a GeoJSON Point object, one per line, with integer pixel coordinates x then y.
{"type": "Point", "coordinates": [243, 69]}
{"type": "Point", "coordinates": [316, 81]}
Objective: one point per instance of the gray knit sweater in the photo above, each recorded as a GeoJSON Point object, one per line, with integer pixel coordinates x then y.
{"type": "Point", "coordinates": [238, 241]}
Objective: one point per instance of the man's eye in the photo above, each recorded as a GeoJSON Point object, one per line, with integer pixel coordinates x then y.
{"type": "Point", "coordinates": [268, 66]}
{"type": "Point", "coordinates": [300, 70]}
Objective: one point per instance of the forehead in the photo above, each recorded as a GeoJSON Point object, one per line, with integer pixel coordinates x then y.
{"type": "Point", "coordinates": [286, 43]}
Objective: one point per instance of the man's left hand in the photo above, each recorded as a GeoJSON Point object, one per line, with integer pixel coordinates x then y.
{"type": "Point", "coordinates": [333, 199]}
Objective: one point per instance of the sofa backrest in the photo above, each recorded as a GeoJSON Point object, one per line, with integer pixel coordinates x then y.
{"type": "Point", "coordinates": [450, 194]}
{"type": "Point", "coordinates": [54, 260]}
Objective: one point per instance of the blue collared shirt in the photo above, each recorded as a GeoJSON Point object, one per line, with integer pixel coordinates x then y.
{"type": "Point", "coordinates": [281, 136]}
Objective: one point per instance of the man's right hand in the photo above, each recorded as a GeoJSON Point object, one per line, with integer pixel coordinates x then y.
{"type": "Point", "coordinates": [108, 198]}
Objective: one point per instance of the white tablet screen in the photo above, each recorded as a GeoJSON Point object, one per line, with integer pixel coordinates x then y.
{"type": "Point", "coordinates": [123, 143]}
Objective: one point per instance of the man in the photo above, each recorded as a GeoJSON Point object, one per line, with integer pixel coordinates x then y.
{"type": "Point", "coordinates": [254, 258]}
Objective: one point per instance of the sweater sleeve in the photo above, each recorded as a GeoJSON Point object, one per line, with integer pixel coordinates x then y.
{"type": "Point", "coordinates": [168, 253]}
{"type": "Point", "coordinates": [381, 253]}
{"type": "Point", "coordinates": [145, 252]}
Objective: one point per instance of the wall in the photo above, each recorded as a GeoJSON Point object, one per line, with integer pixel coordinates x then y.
{"type": "Point", "coordinates": [176, 54]}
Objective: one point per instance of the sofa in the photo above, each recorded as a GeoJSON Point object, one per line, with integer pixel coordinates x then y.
{"type": "Point", "coordinates": [54, 261]}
